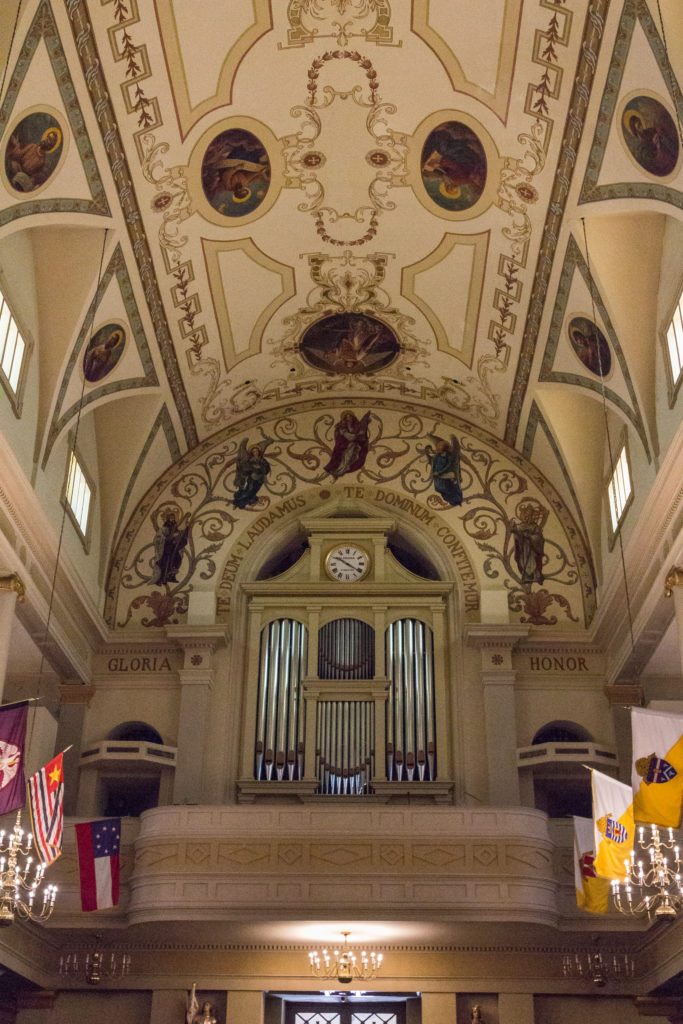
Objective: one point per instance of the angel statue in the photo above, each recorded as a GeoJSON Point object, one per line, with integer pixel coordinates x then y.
{"type": "Point", "coordinates": [444, 460]}
{"type": "Point", "coordinates": [196, 1016]}
{"type": "Point", "coordinates": [252, 470]}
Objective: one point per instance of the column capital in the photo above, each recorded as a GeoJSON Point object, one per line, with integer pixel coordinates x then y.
{"type": "Point", "coordinates": [674, 578]}
{"type": "Point", "coordinates": [485, 636]}
{"type": "Point", "coordinates": [76, 693]}
{"type": "Point", "coordinates": [11, 581]}
{"type": "Point", "coordinates": [198, 643]}
{"type": "Point", "coordinates": [626, 693]}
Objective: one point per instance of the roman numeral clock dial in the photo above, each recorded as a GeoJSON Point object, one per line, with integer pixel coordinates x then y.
{"type": "Point", "coordinates": [347, 563]}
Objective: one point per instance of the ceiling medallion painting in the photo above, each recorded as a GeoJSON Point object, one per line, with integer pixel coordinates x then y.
{"type": "Point", "coordinates": [235, 172]}
{"type": "Point", "coordinates": [104, 350]}
{"type": "Point", "coordinates": [386, 159]}
{"type": "Point", "coordinates": [33, 151]}
{"type": "Point", "coordinates": [650, 135]}
{"type": "Point", "coordinates": [349, 343]}
{"type": "Point", "coordinates": [310, 20]}
{"type": "Point", "coordinates": [453, 166]}
{"type": "Point", "coordinates": [590, 345]}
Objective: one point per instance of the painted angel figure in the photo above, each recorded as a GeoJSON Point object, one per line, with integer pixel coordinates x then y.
{"type": "Point", "coordinates": [529, 542]}
{"type": "Point", "coordinates": [351, 443]}
{"type": "Point", "coordinates": [444, 460]}
{"type": "Point", "coordinates": [252, 471]}
{"type": "Point", "coordinates": [169, 542]}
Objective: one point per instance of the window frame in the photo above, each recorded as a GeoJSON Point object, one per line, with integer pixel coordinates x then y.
{"type": "Point", "coordinates": [623, 451]}
{"type": "Point", "coordinates": [84, 535]}
{"type": "Point", "coordinates": [673, 384]}
{"type": "Point", "coordinates": [16, 397]}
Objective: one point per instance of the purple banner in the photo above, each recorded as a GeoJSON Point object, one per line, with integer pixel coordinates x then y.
{"type": "Point", "coordinates": [12, 742]}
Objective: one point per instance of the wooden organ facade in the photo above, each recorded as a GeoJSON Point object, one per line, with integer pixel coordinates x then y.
{"type": "Point", "coordinates": [346, 680]}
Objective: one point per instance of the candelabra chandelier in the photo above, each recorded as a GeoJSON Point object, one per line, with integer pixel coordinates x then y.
{"type": "Point", "coordinates": [23, 893]}
{"type": "Point", "coordinates": [597, 966]}
{"type": "Point", "coordinates": [652, 886]}
{"type": "Point", "coordinates": [96, 965]}
{"type": "Point", "coordinates": [345, 965]}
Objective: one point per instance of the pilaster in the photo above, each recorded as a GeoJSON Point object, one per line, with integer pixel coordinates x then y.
{"type": "Point", "coordinates": [673, 587]}
{"type": "Point", "coordinates": [11, 591]}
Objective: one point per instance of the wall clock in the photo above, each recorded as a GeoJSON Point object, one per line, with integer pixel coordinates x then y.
{"type": "Point", "coordinates": [347, 563]}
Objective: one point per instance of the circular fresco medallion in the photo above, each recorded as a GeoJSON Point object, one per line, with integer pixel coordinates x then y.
{"type": "Point", "coordinates": [104, 350]}
{"type": "Point", "coordinates": [590, 345]}
{"type": "Point", "coordinates": [33, 150]}
{"type": "Point", "coordinates": [453, 166]}
{"type": "Point", "coordinates": [235, 172]}
{"type": "Point", "coordinates": [349, 343]}
{"type": "Point", "coordinates": [650, 134]}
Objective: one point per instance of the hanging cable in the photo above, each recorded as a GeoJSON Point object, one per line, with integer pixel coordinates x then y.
{"type": "Point", "coordinates": [71, 452]}
{"type": "Point", "coordinates": [607, 429]}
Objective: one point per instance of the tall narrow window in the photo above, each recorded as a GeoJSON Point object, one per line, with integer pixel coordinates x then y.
{"type": "Point", "coordinates": [12, 353]}
{"type": "Point", "coordinates": [78, 494]}
{"type": "Point", "coordinates": [619, 489]}
{"type": "Point", "coordinates": [674, 341]}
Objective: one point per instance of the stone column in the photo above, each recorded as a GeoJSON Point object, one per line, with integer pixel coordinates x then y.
{"type": "Point", "coordinates": [673, 586]}
{"type": "Point", "coordinates": [515, 1008]}
{"type": "Point", "coordinates": [245, 1007]}
{"type": "Point", "coordinates": [196, 682]}
{"type": "Point", "coordinates": [495, 644]}
{"type": "Point", "coordinates": [73, 701]}
{"type": "Point", "coordinates": [11, 591]}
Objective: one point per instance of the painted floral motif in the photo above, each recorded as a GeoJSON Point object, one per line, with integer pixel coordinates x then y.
{"type": "Point", "coordinates": [104, 350]}
{"type": "Point", "coordinates": [395, 452]}
{"type": "Point", "coordinates": [33, 151]}
{"type": "Point", "coordinates": [235, 172]}
{"type": "Point", "coordinates": [453, 166]}
{"type": "Point", "coordinates": [650, 134]}
{"type": "Point", "coordinates": [590, 345]}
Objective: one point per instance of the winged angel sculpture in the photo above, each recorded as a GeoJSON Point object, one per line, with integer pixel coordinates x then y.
{"type": "Point", "coordinates": [251, 472]}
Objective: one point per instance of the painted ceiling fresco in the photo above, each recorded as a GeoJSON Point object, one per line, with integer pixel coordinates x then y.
{"type": "Point", "coordinates": [364, 204]}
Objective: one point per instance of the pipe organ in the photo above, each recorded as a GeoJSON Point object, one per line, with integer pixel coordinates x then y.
{"type": "Point", "coordinates": [340, 750]}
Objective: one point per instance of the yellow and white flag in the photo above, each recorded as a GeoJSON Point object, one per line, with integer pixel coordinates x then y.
{"type": "Point", "coordinates": [592, 893]}
{"type": "Point", "coordinates": [657, 773]}
{"type": "Point", "coordinates": [613, 826]}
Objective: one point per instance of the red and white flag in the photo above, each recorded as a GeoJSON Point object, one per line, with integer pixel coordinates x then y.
{"type": "Point", "coordinates": [46, 803]}
{"type": "Point", "coordinates": [99, 843]}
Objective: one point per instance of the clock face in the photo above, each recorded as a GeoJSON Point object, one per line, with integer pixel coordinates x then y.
{"type": "Point", "coordinates": [347, 563]}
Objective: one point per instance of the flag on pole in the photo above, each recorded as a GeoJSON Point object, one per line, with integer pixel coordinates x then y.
{"type": "Point", "coordinates": [613, 826]}
{"type": "Point", "coordinates": [12, 743]}
{"type": "Point", "coordinates": [98, 844]}
{"type": "Point", "coordinates": [592, 893]}
{"type": "Point", "coordinates": [657, 774]}
{"type": "Point", "coordinates": [192, 1005]}
{"type": "Point", "coordinates": [46, 803]}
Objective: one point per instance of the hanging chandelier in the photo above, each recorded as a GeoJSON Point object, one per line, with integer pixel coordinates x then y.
{"type": "Point", "coordinates": [22, 891]}
{"type": "Point", "coordinates": [345, 965]}
{"type": "Point", "coordinates": [653, 886]}
{"type": "Point", "coordinates": [95, 965]}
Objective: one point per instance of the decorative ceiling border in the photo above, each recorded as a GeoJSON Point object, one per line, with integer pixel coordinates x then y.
{"type": "Point", "coordinates": [536, 420]}
{"type": "Point", "coordinates": [164, 423]}
{"type": "Point", "coordinates": [634, 10]}
{"type": "Point", "coordinates": [578, 104]}
{"type": "Point", "coordinates": [116, 267]}
{"type": "Point", "coordinates": [106, 118]}
{"type": "Point", "coordinates": [44, 27]}
{"type": "Point", "coordinates": [573, 260]}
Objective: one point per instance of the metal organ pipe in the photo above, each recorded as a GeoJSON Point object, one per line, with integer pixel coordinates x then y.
{"type": "Point", "coordinates": [280, 724]}
{"type": "Point", "coordinates": [410, 726]}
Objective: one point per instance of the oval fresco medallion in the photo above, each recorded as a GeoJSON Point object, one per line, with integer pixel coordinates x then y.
{"type": "Point", "coordinates": [104, 350]}
{"type": "Point", "coordinates": [590, 345]}
{"type": "Point", "coordinates": [453, 166]}
{"type": "Point", "coordinates": [33, 150]}
{"type": "Point", "coordinates": [349, 343]}
{"type": "Point", "coordinates": [650, 134]}
{"type": "Point", "coordinates": [235, 172]}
